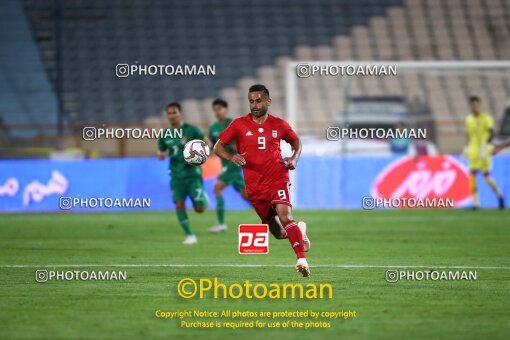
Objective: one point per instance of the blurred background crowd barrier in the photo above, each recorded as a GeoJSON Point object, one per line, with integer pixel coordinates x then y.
{"type": "Point", "coordinates": [58, 65]}
{"type": "Point", "coordinates": [37, 185]}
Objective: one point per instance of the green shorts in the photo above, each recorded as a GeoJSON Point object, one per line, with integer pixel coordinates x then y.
{"type": "Point", "coordinates": [234, 178]}
{"type": "Point", "coordinates": [192, 187]}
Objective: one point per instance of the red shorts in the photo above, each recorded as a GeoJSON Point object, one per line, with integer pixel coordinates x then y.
{"type": "Point", "coordinates": [263, 201]}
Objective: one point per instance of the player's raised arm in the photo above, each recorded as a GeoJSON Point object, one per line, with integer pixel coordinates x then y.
{"type": "Point", "coordinates": [221, 151]}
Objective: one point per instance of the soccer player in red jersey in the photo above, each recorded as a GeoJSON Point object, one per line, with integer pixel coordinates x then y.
{"type": "Point", "coordinates": [266, 173]}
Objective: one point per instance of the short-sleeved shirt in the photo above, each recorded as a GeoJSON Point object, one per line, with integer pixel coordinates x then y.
{"type": "Point", "coordinates": [478, 129]}
{"type": "Point", "coordinates": [178, 168]}
{"type": "Point", "coordinates": [261, 143]}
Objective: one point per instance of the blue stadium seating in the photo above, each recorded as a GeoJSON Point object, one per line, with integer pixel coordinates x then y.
{"type": "Point", "coordinates": [26, 95]}
{"type": "Point", "coordinates": [236, 36]}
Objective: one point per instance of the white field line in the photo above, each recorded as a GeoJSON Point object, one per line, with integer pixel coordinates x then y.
{"type": "Point", "coordinates": [341, 266]}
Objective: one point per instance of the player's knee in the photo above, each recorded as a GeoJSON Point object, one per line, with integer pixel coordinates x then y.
{"type": "Point", "coordinates": [218, 190]}
{"type": "Point", "coordinates": [285, 217]}
{"type": "Point", "coordinates": [199, 208]}
{"type": "Point", "coordinates": [179, 205]}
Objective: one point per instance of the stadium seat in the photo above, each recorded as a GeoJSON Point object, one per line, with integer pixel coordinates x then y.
{"type": "Point", "coordinates": [204, 32]}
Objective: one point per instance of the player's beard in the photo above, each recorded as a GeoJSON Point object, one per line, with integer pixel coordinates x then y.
{"type": "Point", "coordinates": [260, 113]}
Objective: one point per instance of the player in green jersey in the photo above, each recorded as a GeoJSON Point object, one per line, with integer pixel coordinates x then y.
{"type": "Point", "coordinates": [186, 179]}
{"type": "Point", "coordinates": [231, 174]}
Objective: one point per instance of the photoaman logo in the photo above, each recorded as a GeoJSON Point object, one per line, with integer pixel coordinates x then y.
{"type": "Point", "coordinates": [253, 239]}
{"type": "Point", "coordinates": [188, 288]}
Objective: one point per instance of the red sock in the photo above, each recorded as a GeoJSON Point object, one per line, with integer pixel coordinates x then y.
{"type": "Point", "coordinates": [295, 238]}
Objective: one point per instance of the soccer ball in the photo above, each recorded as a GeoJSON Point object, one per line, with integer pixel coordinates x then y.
{"type": "Point", "coordinates": [196, 152]}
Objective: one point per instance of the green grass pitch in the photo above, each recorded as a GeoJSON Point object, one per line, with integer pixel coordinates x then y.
{"type": "Point", "coordinates": [374, 239]}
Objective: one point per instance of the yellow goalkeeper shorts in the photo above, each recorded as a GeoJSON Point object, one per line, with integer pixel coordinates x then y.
{"type": "Point", "coordinates": [481, 158]}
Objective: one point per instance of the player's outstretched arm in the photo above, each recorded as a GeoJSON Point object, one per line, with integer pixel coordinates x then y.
{"type": "Point", "coordinates": [291, 162]}
{"type": "Point", "coordinates": [208, 141]}
{"type": "Point", "coordinates": [221, 151]}
{"type": "Point", "coordinates": [501, 146]}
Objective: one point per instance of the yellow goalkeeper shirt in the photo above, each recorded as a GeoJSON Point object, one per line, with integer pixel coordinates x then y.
{"type": "Point", "coordinates": [478, 130]}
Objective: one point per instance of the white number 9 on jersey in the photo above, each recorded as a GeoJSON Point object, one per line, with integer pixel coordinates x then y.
{"type": "Point", "coordinates": [262, 143]}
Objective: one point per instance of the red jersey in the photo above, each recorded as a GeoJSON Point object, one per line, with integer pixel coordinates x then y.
{"type": "Point", "coordinates": [261, 142]}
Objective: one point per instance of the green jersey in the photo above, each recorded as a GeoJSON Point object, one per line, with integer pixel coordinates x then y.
{"type": "Point", "coordinates": [178, 168]}
{"type": "Point", "coordinates": [214, 131]}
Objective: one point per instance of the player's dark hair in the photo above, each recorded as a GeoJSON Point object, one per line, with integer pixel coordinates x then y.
{"type": "Point", "coordinates": [259, 88]}
{"type": "Point", "coordinates": [220, 102]}
{"type": "Point", "coordinates": [474, 99]}
{"type": "Point", "coordinates": [175, 104]}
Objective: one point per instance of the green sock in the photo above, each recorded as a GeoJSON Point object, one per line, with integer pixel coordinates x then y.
{"type": "Point", "coordinates": [220, 209]}
{"type": "Point", "coordinates": [183, 220]}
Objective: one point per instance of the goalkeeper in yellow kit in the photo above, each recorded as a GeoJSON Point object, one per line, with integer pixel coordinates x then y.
{"type": "Point", "coordinates": [480, 129]}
